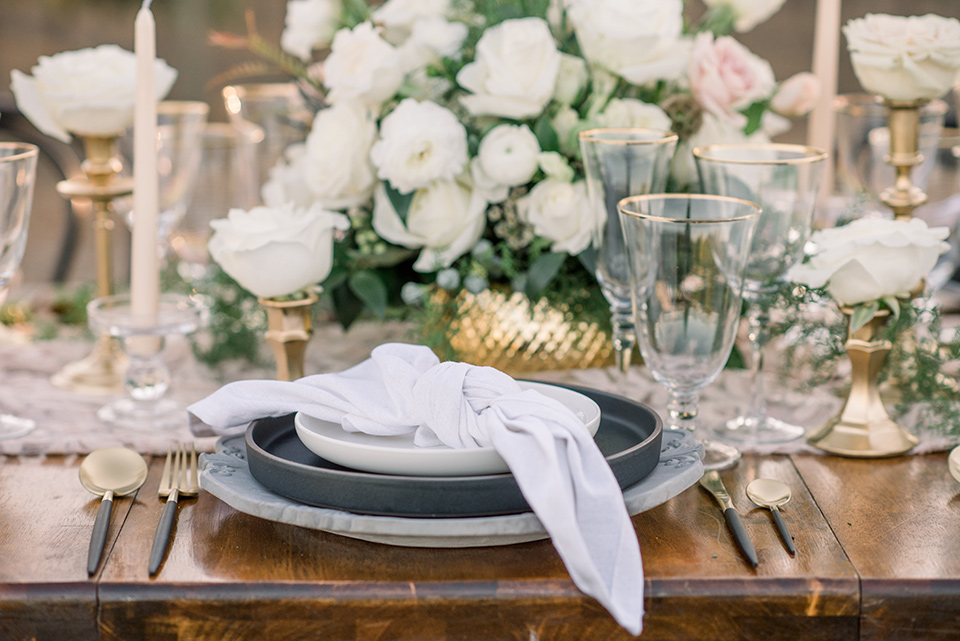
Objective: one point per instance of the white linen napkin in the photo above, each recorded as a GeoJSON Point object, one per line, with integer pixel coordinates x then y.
{"type": "Point", "coordinates": [558, 467]}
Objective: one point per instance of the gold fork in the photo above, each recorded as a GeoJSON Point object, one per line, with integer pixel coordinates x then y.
{"type": "Point", "coordinates": [179, 479]}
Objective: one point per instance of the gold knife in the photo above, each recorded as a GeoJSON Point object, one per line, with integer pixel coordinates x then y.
{"type": "Point", "coordinates": [711, 482]}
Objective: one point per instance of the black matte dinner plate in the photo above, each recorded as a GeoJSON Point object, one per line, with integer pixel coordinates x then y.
{"type": "Point", "coordinates": [629, 437]}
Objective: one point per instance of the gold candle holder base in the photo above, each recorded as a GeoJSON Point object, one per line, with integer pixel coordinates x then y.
{"type": "Point", "coordinates": [102, 371]}
{"type": "Point", "coordinates": [288, 332]}
{"type": "Point", "coordinates": [863, 429]}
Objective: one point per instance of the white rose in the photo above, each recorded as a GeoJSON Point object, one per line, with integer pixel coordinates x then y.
{"type": "Point", "coordinates": [726, 77]}
{"type": "Point", "coordinates": [632, 113]}
{"type": "Point", "coordinates": [559, 211]}
{"type": "Point", "coordinates": [508, 154]}
{"type": "Point", "coordinates": [639, 40]}
{"type": "Point", "coordinates": [362, 66]}
{"type": "Point", "coordinates": [288, 180]}
{"type": "Point", "coordinates": [309, 25]}
{"type": "Point", "coordinates": [871, 258]}
{"type": "Point", "coordinates": [337, 165]}
{"type": "Point", "coordinates": [431, 40]}
{"type": "Point", "coordinates": [445, 219]}
{"type": "Point", "coordinates": [566, 122]}
{"type": "Point", "coordinates": [274, 252]}
{"type": "Point", "coordinates": [748, 13]}
{"type": "Point", "coordinates": [571, 79]}
{"type": "Point", "coordinates": [420, 142]}
{"type": "Point", "coordinates": [514, 72]}
{"type": "Point", "coordinates": [398, 17]}
{"type": "Point", "coordinates": [797, 95]}
{"type": "Point", "coordinates": [904, 58]}
{"type": "Point", "coordinates": [89, 92]}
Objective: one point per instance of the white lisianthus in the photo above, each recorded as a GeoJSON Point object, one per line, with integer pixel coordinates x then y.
{"type": "Point", "coordinates": [398, 17]}
{"type": "Point", "coordinates": [89, 92]}
{"type": "Point", "coordinates": [420, 142]}
{"type": "Point", "coordinates": [445, 219]}
{"type": "Point", "coordinates": [337, 165]}
{"type": "Point", "coordinates": [905, 58]}
{"type": "Point", "coordinates": [508, 154]}
{"type": "Point", "coordinates": [560, 212]}
{"type": "Point", "coordinates": [571, 79]}
{"type": "Point", "coordinates": [633, 113]}
{"type": "Point", "coordinates": [639, 40]}
{"type": "Point", "coordinates": [514, 72]}
{"type": "Point", "coordinates": [274, 252]}
{"type": "Point", "coordinates": [748, 13]}
{"type": "Point", "coordinates": [872, 258]}
{"type": "Point", "coordinates": [797, 95]}
{"type": "Point", "coordinates": [726, 77]}
{"type": "Point", "coordinates": [362, 66]}
{"type": "Point", "coordinates": [287, 182]}
{"type": "Point", "coordinates": [432, 39]}
{"type": "Point", "coordinates": [309, 25]}
{"type": "Point", "coordinates": [555, 165]}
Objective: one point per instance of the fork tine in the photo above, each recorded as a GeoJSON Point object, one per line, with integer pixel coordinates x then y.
{"type": "Point", "coordinates": [194, 483]}
{"type": "Point", "coordinates": [165, 477]}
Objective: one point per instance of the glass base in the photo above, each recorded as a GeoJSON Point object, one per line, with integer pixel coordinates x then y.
{"type": "Point", "coordinates": [749, 431]}
{"type": "Point", "coordinates": [164, 414]}
{"type": "Point", "coordinates": [15, 426]}
{"type": "Point", "coordinates": [718, 456]}
{"type": "Point", "coordinates": [99, 373]}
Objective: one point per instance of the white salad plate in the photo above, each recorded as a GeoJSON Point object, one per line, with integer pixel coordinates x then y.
{"type": "Point", "coordinates": [399, 455]}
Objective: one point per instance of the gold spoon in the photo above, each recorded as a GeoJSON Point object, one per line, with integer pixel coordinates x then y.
{"type": "Point", "coordinates": [771, 494]}
{"type": "Point", "coordinates": [109, 472]}
{"type": "Point", "coordinates": [953, 463]}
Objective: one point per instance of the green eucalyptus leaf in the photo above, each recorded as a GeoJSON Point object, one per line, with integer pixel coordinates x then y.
{"type": "Point", "coordinates": [400, 202]}
{"type": "Point", "coordinates": [543, 270]}
{"type": "Point", "coordinates": [346, 305]}
{"type": "Point", "coordinates": [863, 314]}
{"type": "Point", "coordinates": [368, 287]}
{"type": "Point", "coordinates": [893, 305]}
{"type": "Point", "coordinates": [546, 135]}
{"type": "Point", "coordinates": [754, 114]}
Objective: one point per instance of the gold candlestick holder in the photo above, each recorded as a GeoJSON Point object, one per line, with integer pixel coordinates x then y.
{"type": "Point", "coordinates": [863, 429]}
{"type": "Point", "coordinates": [100, 372]}
{"type": "Point", "coordinates": [904, 126]}
{"type": "Point", "coordinates": [288, 331]}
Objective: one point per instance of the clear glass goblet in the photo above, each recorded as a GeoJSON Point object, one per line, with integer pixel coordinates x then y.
{"type": "Point", "coordinates": [18, 172]}
{"type": "Point", "coordinates": [620, 163]}
{"type": "Point", "coordinates": [687, 256]}
{"type": "Point", "coordinates": [784, 180]}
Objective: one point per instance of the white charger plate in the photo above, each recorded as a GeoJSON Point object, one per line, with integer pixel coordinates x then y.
{"type": "Point", "coordinates": [399, 455]}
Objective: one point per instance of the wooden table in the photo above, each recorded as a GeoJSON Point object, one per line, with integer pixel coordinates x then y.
{"type": "Point", "coordinates": [877, 559]}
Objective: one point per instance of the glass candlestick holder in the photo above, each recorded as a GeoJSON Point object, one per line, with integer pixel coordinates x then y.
{"type": "Point", "coordinates": [147, 377]}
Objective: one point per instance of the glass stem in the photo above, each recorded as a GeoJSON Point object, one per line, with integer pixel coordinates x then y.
{"type": "Point", "coordinates": [757, 323]}
{"type": "Point", "coordinates": [682, 411]}
{"type": "Point", "coordinates": [624, 336]}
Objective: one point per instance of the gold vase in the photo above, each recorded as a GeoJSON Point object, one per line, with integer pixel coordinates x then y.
{"type": "Point", "coordinates": [904, 126]}
{"type": "Point", "coordinates": [102, 371]}
{"type": "Point", "coordinates": [863, 429]}
{"type": "Point", "coordinates": [288, 332]}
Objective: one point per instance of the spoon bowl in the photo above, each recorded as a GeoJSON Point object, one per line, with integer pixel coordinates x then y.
{"type": "Point", "coordinates": [771, 494]}
{"type": "Point", "coordinates": [953, 462]}
{"type": "Point", "coordinates": [109, 472]}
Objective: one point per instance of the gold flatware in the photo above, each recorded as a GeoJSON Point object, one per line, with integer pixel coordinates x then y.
{"type": "Point", "coordinates": [179, 479]}
{"type": "Point", "coordinates": [711, 482]}
{"type": "Point", "coordinates": [953, 463]}
{"type": "Point", "coordinates": [109, 472]}
{"type": "Point", "coordinates": [771, 494]}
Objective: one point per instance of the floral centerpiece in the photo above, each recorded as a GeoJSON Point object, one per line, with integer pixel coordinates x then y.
{"type": "Point", "coordinates": [448, 130]}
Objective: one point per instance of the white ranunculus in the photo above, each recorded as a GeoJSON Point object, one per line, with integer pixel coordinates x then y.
{"type": "Point", "coordinates": [560, 212]}
{"type": "Point", "coordinates": [89, 92]}
{"type": "Point", "coordinates": [398, 17]}
{"type": "Point", "coordinates": [871, 258]}
{"type": "Point", "coordinates": [420, 142]}
{"type": "Point", "coordinates": [555, 165]}
{"type": "Point", "coordinates": [748, 13]}
{"type": "Point", "coordinates": [274, 252]}
{"type": "Point", "coordinates": [508, 154]}
{"type": "Point", "coordinates": [905, 58]}
{"type": "Point", "coordinates": [713, 131]}
{"type": "Point", "coordinates": [362, 66]}
{"type": "Point", "coordinates": [485, 186]}
{"type": "Point", "coordinates": [309, 25]}
{"type": "Point", "coordinates": [571, 79]}
{"type": "Point", "coordinates": [725, 77]}
{"type": "Point", "coordinates": [797, 95]}
{"type": "Point", "coordinates": [445, 219]}
{"type": "Point", "coordinates": [514, 72]}
{"type": "Point", "coordinates": [633, 113]}
{"type": "Point", "coordinates": [566, 122]}
{"type": "Point", "coordinates": [432, 39]}
{"type": "Point", "coordinates": [639, 40]}
{"type": "Point", "coordinates": [287, 182]}
{"type": "Point", "coordinates": [337, 165]}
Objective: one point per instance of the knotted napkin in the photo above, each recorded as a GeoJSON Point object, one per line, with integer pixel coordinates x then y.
{"type": "Point", "coordinates": [558, 467]}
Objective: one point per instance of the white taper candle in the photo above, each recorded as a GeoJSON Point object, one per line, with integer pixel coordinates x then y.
{"type": "Point", "coordinates": [826, 58]}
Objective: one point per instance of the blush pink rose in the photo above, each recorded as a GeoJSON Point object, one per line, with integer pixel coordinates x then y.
{"type": "Point", "coordinates": [797, 95]}
{"type": "Point", "coordinates": [726, 77]}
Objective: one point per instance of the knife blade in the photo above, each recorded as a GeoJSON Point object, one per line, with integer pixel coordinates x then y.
{"type": "Point", "coordinates": [711, 482]}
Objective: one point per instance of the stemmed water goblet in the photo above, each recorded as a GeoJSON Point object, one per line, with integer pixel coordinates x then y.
{"type": "Point", "coordinates": [687, 255]}
{"type": "Point", "coordinates": [620, 163]}
{"type": "Point", "coordinates": [18, 171]}
{"type": "Point", "coordinates": [784, 180]}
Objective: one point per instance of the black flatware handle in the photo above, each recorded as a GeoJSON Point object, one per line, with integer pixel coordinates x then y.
{"type": "Point", "coordinates": [784, 532]}
{"type": "Point", "coordinates": [99, 537]}
{"type": "Point", "coordinates": [740, 535]}
{"type": "Point", "coordinates": [162, 537]}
